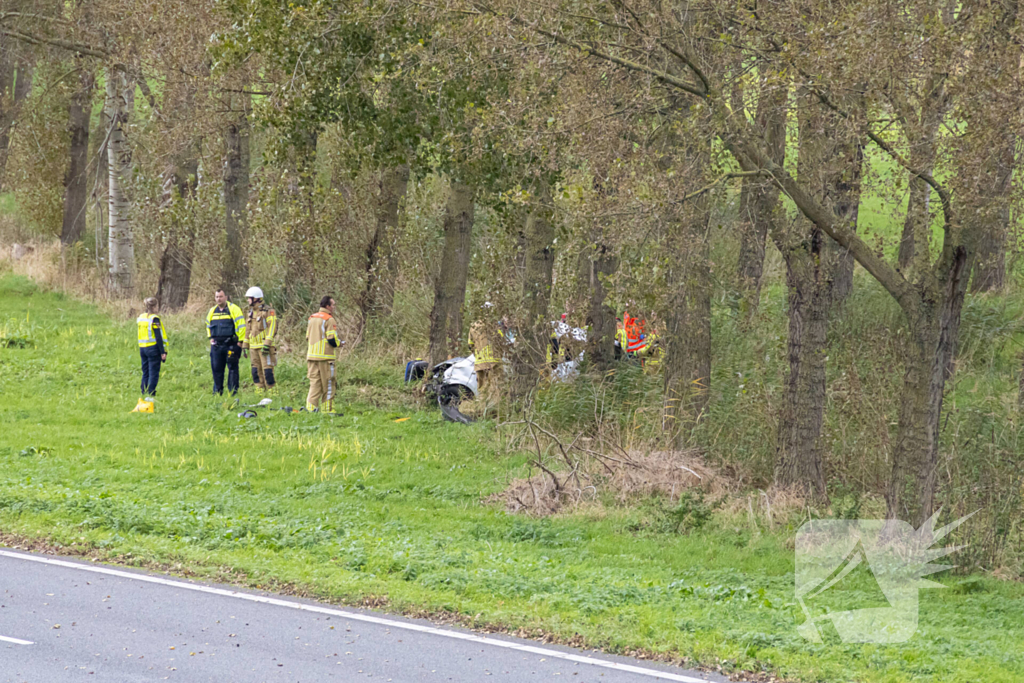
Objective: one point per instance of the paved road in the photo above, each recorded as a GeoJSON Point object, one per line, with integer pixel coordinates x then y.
{"type": "Point", "coordinates": [64, 620]}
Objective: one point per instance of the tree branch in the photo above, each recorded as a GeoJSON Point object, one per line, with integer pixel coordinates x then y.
{"type": "Point", "coordinates": [80, 48]}
{"type": "Point", "coordinates": [590, 49]}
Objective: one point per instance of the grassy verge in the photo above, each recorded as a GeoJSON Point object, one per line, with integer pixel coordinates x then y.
{"type": "Point", "coordinates": [364, 505]}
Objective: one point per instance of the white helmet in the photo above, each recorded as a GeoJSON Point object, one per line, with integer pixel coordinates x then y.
{"type": "Point", "coordinates": [254, 292]}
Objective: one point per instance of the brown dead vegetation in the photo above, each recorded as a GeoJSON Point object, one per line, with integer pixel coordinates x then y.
{"type": "Point", "coordinates": [565, 475]}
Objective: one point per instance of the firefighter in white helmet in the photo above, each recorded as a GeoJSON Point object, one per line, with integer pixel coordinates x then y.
{"type": "Point", "coordinates": [260, 330]}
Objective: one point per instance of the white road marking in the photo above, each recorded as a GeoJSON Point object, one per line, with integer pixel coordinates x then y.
{"type": "Point", "coordinates": [357, 616]}
{"type": "Point", "coordinates": [16, 641]}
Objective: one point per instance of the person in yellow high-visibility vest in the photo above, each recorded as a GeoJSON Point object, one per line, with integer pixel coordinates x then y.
{"type": "Point", "coordinates": [225, 327]}
{"type": "Point", "coordinates": [152, 350]}
{"type": "Point", "coordinates": [321, 353]}
{"type": "Point", "coordinates": [260, 328]}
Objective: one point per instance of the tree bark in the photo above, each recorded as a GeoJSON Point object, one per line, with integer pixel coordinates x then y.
{"type": "Point", "coordinates": [235, 269]}
{"type": "Point", "coordinates": [811, 267]}
{"type": "Point", "coordinates": [798, 458]}
{"type": "Point", "coordinates": [180, 185]}
{"type": "Point", "coordinates": [121, 250]}
{"type": "Point", "coordinates": [302, 186]}
{"type": "Point", "coordinates": [933, 331]}
{"type": "Point", "coordinates": [450, 285]}
{"type": "Point", "coordinates": [992, 219]}
{"type": "Point", "coordinates": [381, 259]}
{"type": "Point", "coordinates": [914, 243]}
{"type": "Point", "coordinates": [687, 336]}
{"type": "Point", "coordinates": [15, 85]}
{"type": "Point", "coordinates": [759, 197]}
{"type": "Point", "coordinates": [601, 264]}
{"type": "Point", "coordinates": [176, 260]}
{"type": "Point", "coordinates": [532, 344]}
{"type": "Point", "coordinates": [76, 190]}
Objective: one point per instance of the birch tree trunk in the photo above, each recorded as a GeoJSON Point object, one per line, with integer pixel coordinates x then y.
{"type": "Point", "coordinates": [76, 190]}
{"type": "Point", "coordinates": [234, 270]}
{"type": "Point", "coordinates": [450, 285]}
{"type": "Point", "coordinates": [121, 245]}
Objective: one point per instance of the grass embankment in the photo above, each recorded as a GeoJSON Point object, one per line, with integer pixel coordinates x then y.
{"type": "Point", "coordinates": [363, 505]}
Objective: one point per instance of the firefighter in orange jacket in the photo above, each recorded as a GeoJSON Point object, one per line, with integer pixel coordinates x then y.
{"type": "Point", "coordinates": [322, 335]}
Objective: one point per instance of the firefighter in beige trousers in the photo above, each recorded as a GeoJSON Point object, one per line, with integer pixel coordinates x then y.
{"type": "Point", "coordinates": [322, 335]}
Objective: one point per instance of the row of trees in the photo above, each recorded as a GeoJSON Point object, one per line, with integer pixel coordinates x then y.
{"type": "Point", "coordinates": [596, 138]}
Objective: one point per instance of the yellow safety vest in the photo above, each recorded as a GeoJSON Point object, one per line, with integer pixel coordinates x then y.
{"type": "Point", "coordinates": [147, 333]}
{"type": "Point", "coordinates": [224, 323]}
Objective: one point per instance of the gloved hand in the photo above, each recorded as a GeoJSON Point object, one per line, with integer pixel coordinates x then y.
{"type": "Point", "coordinates": [245, 353]}
{"type": "Point", "coordinates": [163, 358]}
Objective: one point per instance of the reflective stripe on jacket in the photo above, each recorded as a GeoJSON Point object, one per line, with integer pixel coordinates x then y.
{"type": "Point", "coordinates": [225, 323]}
{"type": "Point", "coordinates": [260, 326]}
{"type": "Point", "coordinates": [320, 331]}
{"type": "Point", "coordinates": [151, 331]}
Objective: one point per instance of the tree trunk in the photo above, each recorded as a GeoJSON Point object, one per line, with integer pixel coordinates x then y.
{"type": "Point", "coordinates": [15, 85]}
{"type": "Point", "coordinates": [846, 205]}
{"type": "Point", "coordinates": [180, 184]}
{"type": "Point", "coordinates": [450, 285]}
{"type": "Point", "coordinates": [76, 190]}
{"type": "Point", "coordinates": [121, 249]}
{"type": "Point", "coordinates": [992, 219]}
{"type": "Point", "coordinates": [798, 459]}
{"type": "Point", "coordinates": [299, 278]}
{"type": "Point", "coordinates": [601, 264]}
{"type": "Point", "coordinates": [759, 198]}
{"type": "Point", "coordinates": [381, 259]}
{"type": "Point", "coordinates": [176, 261]}
{"type": "Point", "coordinates": [811, 267]}
{"type": "Point", "coordinates": [687, 337]}
{"type": "Point", "coordinates": [235, 270]}
{"type": "Point", "coordinates": [1020, 387]}
{"type": "Point", "coordinates": [532, 345]}
{"type": "Point", "coordinates": [933, 330]}
{"type": "Point", "coordinates": [914, 243]}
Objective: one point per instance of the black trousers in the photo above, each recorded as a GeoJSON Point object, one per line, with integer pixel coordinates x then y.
{"type": "Point", "coordinates": [150, 370]}
{"type": "Point", "coordinates": [221, 356]}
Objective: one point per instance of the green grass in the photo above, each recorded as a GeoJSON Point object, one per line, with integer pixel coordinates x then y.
{"type": "Point", "coordinates": [363, 506]}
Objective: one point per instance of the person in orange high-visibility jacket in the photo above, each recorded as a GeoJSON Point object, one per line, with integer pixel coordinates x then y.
{"type": "Point", "coordinates": [635, 339]}
{"type": "Point", "coordinates": [322, 335]}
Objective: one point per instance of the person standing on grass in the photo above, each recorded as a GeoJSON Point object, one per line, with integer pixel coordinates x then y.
{"type": "Point", "coordinates": [225, 326]}
{"type": "Point", "coordinates": [322, 335]}
{"type": "Point", "coordinates": [153, 350]}
{"type": "Point", "coordinates": [260, 328]}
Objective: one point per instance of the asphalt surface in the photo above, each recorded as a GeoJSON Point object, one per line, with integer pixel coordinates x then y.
{"type": "Point", "coordinates": [65, 620]}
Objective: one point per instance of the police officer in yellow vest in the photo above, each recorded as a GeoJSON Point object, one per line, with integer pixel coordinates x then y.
{"type": "Point", "coordinates": [260, 328]}
{"type": "Point", "coordinates": [322, 335]}
{"type": "Point", "coordinates": [225, 326]}
{"type": "Point", "coordinates": [153, 350]}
